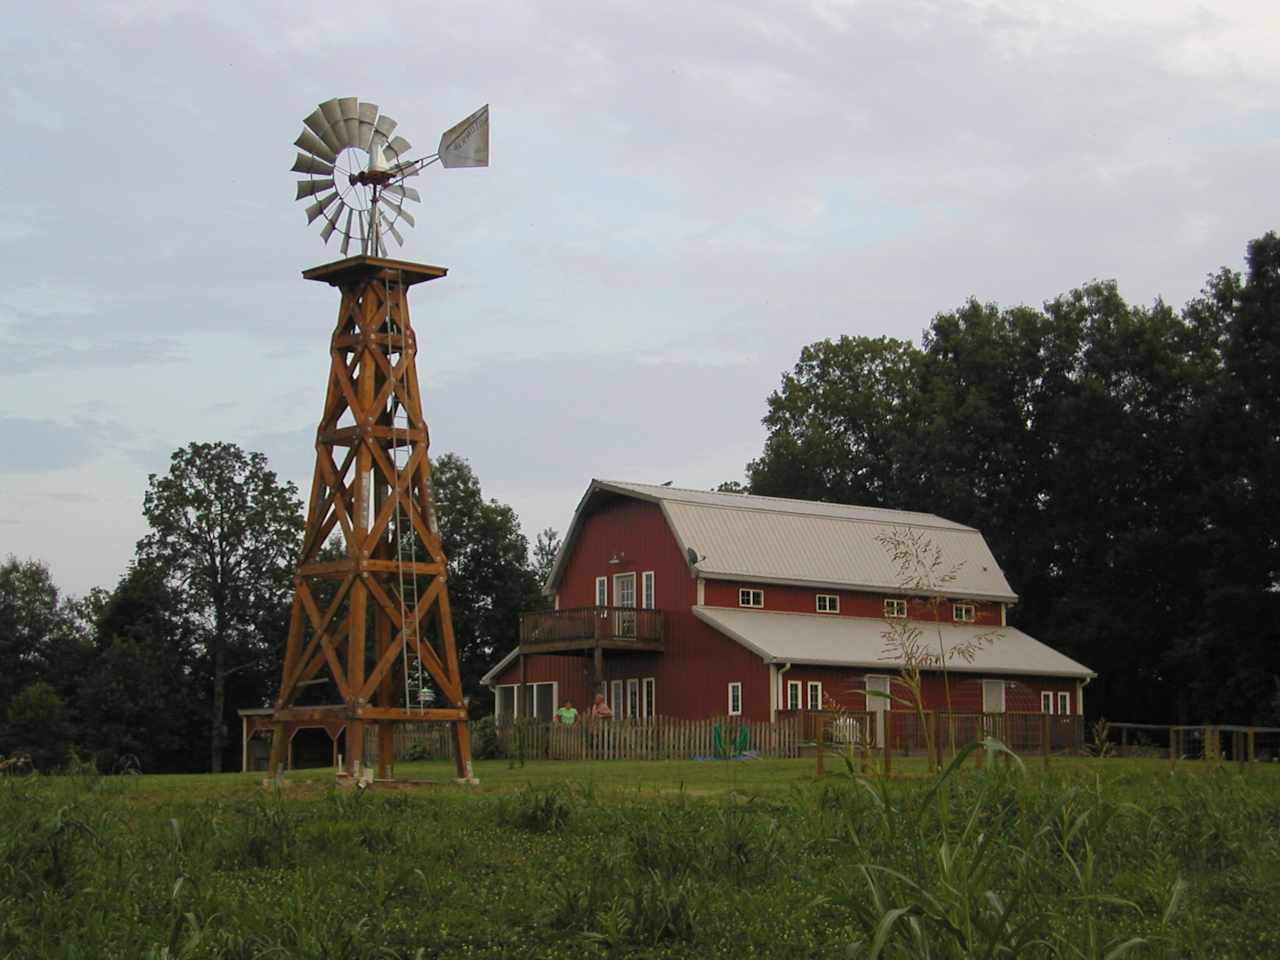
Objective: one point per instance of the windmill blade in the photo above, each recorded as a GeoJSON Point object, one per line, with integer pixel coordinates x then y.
{"type": "Point", "coordinates": [399, 146]}
{"type": "Point", "coordinates": [391, 229]}
{"type": "Point", "coordinates": [309, 142]}
{"type": "Point", "coordinates": [466, 144]}
{"type": "Point", "coordinates": [368, 116]}
{"type": "Point", "coordinates": [320, 206]}
{"type": "Point", "coordinates": [399, 190]}
{"type": "Point", "coordinates": [403, 214]}
{"type": "Point", "coordinates": [307, 188]}
{"type": "Point", "coordinates": [364, 240]}
{"type": "Point", "coordinates": [350, 109]}
{"type": "Point", "coordinates": [346, 233]}
{"type": "Point", "coordinates": [330, 223]}
{"type": "Point", "coordinates": [385, 126]}
{"type": "Point", "coordinates": [308, 164]}
{"type": "Point", "coordinates": [333, 117]}
{"type": "Point", "coordinates": [320, 127]}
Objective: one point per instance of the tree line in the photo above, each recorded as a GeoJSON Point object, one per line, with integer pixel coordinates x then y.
{"type": "Point", "coordinates": [1123, 462]}
{"type": "Point", "coordinates": [152, 672]}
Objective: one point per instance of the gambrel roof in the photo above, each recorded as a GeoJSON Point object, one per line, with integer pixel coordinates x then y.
{"type": "Point", "coordinates": [800, 542]}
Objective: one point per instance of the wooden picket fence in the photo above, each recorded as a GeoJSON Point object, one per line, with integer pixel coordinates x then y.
{"type": "Point", "coordinates": [656, 738]}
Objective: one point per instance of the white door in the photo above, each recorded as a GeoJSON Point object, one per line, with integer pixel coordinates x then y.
{"type": "Point", "coordinates": [878, 705]}
{"type": "Point", "coordinates": [624, 595]}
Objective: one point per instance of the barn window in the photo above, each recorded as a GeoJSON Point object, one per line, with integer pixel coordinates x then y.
{"type": "Point", "coordinates": [793, 694]}
{"type": "Point", "coordinates": [602, 591]}
{"type": "Point", "coordinates": [646, 590]}
{"type": "Point", "coordinates": [993, 696]}
{"type": "Point", "coordinates": [505, 705]}
{"type": "Point", "coordinates": [814, 695]}
{"type": "Point", "coordinates": [750, 598]}
{"type": "Point", "coordinates": [1046, 701]}
{"type": "Point", "coordinates": [735, 699]}
{"type": "Point", "coordinates": [1064, 702]}
{"type": "Point", "coordinates": [963, 612]}
{"type": "Point", "coordinates": [633, 699]}
{"type": "Point", "coordinates": [649, 702]}
{"type": "Point", "coordinates": [539, 701]}
{"type": "Point", "coordinates": [895, 609]}
{"type": "Point", "coordinates": [615, 704]}
{"type": "Point", "coordinates": [828, 603]}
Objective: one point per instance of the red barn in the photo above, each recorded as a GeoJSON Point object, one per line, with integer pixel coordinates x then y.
{"type": "Point", "coordinates": [691, 604]}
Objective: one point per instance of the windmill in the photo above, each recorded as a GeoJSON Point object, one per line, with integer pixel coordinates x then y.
{"type": "Point", "coordinates": [370, 624]}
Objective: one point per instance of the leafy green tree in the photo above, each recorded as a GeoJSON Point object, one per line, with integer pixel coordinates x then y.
{"type": "Point", "coordinates": [42, 633]}
{"type": "Point", "coordinates": [837, 423]}
{"type": "Point", "coordinates": [225, 536]}
{"type": "Point", "coordinates": [40, 726]}
{"type": "Point", "coordinates": [142, 698]}
{"type": "Point", "coordinates": [545, 550]}
{"type": "Point", "coordinates": [491, 580]}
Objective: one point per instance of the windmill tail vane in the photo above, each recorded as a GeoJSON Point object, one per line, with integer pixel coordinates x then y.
{"type": "Point", "coordinates": [355, 166]}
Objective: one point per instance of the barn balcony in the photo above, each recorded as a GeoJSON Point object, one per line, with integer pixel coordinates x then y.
{"type": "Point", "coordinates": [591, 628]}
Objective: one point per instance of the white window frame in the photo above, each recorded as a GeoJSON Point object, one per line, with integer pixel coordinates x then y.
{"type": "Point", "coordinates": [515, 701]}
{"type": "Point", "coordinates": [735, 698]}
{"type": "Point", "coordinates": [895, 608]}
{"type": "Point", "coordinates": [832, 604]}
{"type": "Point", "coordinates": [616, 699]}
{"type": "Point", "coordinates": [602, 591]}
{"type": "Point", "coordinates": [958, 611]}
{"type": "Point", "coordinates": [648, 596]}
{"type": "Point", "coordinates": [795, 700]}
{"type": "Point", "coordinates": [533, 695]}
{"type": "Point", "coordinates": [633, 698]}
{"type": "Point", "coordinates": [989, 688]}
{"type": "Point", "coordinates": [1046, 701]}
{"type": "Point", "coordinates": [752, 594]}
{"type": "Point", "coordinates": [618, 593]}
{"type": "Point", "coordinates": [1064, 702]}
{"type": "Point", "coordinates": [649, 698]}
{"type": "Point", "coordinates": [810, 701]}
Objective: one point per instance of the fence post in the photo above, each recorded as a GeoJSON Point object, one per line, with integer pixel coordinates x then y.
{"type": "Point", "coordinates": [817, 746]}
{"type": "Point", "coordinates": [888, 742]}
{"type": "Point", "coordinates": [1251, 751]}
{"type": "Point", "coordinates": [1044, 738]}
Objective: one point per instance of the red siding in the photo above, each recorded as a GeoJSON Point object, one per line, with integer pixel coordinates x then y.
{"type": "Point", "coordinates": [724, 593]}
{"type": "Point", "coordinates": [692, 676]}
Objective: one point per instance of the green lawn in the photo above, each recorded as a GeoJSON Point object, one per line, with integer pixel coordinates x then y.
{"type": "Point", "coordinates": [656, 859]}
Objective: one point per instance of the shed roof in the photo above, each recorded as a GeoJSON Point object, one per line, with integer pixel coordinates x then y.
{"type": "Point", "coordinates": [776, 540]}
{"type": "Point", "coordinates": [807, 638]}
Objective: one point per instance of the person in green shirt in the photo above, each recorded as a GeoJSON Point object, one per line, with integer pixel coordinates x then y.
{"type": "Point", "coordinates": [567, 714]}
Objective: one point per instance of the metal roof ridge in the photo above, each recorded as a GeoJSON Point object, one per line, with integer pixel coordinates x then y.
{"type": "Point", "coordinates": [660, 492]}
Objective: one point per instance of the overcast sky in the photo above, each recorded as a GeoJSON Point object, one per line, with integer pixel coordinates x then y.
{"type": "Point", "coordinates": [681, 196]}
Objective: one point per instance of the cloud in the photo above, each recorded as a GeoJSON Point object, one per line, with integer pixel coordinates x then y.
{"type": "Point", "coordinates": [45, 446]}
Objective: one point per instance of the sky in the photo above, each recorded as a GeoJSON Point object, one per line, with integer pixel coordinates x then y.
{"type": "Point", "coordinates": [680, 197]}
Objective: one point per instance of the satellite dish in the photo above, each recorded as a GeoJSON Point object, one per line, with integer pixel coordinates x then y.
{"type": "Point", "coordinates": [356, 170]}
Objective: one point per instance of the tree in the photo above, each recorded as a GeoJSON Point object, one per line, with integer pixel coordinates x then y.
{"type": "Point", "coordinates": [545, 550]}
{"type": "Point", "coordinates": [225, 535]}
{"type": "Point", "coordinates": [837, 422]}
{"type": "Point", "coordinates": [39, 726]}
{"type": "Point", "coordinates": [38, 630]}
{"type": "Point", "coordinates": [490, 578]}
{"type": "Point", "coordinates": [142, 698]}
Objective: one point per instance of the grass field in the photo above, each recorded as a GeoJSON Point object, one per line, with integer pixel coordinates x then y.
{"type": "Point", "coordinates": [664, 859]}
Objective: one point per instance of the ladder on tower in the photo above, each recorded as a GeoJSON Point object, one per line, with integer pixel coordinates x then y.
{"type": "Point", "coordinates": [406, 546]}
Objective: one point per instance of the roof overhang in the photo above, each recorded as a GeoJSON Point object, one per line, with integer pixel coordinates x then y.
{"type": "Point", "coordinates": [835, 641]}
{"type": "Point", "coordinates": [498, 667]}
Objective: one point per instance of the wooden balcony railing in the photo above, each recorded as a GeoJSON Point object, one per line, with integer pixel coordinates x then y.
{"type": "Point", "coordinates": [582, 628]}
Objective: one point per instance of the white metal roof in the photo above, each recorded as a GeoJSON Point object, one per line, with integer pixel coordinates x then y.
{"type": "Point", "coordinates": [807, 638]}
{"type": "Point", "coordinates": [774, 540]}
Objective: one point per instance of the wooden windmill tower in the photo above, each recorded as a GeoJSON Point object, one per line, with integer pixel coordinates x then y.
{"type": "Point", "coordinates": [371, 610]}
